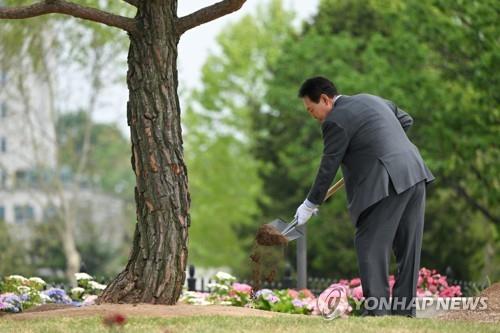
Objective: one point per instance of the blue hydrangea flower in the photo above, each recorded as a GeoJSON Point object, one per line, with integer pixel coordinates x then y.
{"type": "Point", "coordinates": [272, 298]}
{"type": "Point", "coordinates": [11, 303]}
{"type": "Point", "coordinates": [58, 296]}
{"type": "Point", "coordinates": [76, 303]}
{"type": "Point", "coordinates": [263, 292]}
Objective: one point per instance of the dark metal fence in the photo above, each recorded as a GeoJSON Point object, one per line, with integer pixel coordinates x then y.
{"type": "Point", "coordinates": [317, 285]}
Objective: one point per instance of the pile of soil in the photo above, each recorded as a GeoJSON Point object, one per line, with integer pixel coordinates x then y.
{"type": "Point", "coordinates": [268, 253]}
{"type": "Point", "coordinates": [491, 314]}
{"type": "Point", "coordinates": [267, 235]}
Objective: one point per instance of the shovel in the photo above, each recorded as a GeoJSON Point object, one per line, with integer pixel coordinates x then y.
{"type": "Point", "coordinates": [289, 230]}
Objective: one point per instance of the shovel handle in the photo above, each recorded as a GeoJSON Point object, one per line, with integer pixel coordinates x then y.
{"type": "Point", "coordinates": [337, 186]}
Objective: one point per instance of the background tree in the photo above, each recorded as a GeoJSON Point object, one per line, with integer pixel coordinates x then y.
{"type": "Point", "coordinates": [432, 59]}
{"type": "Point", "coordinates": [225, 184]}
{"type": "Point", "coordinates": [107, 170]}
{"type": "Point", "coordinates": [156, 269]}
{"type": "Point", "coordinates": [34, 59]}
{"type": "Point", "coordinates": [392, 49]}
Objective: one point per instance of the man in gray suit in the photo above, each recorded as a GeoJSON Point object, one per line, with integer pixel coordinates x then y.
{"type": "Point", "coordinates": [385, 180]}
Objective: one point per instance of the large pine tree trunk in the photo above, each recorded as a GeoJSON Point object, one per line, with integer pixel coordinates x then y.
{"type": "Point", "coordinates": [155, 272]}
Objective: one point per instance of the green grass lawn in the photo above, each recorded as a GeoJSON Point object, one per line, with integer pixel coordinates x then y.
{"type": "Point", "coordinates": [233, 324]}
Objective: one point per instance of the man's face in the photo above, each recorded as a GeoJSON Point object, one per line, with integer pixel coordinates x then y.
{"type": "Point", "coordinates": [319, 110]}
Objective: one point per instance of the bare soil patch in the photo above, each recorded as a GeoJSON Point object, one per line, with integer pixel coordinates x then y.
{"type": "Point", "coordinates": [491, 314]}
{"type": "Point", "coordinates": [148, 310]}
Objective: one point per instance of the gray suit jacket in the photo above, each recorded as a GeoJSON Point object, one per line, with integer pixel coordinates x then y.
{"type": "Point", "coordinates": [365, 135]}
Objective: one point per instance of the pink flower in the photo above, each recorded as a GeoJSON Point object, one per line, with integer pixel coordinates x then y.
{"type": "Point", "coordinates": [357, 293]}
{"type": "Point", "coordinates": [443, 282]}
{"type": "Point", "coordinates": [306, 293]}
{"type": "Point", "coordinates": [429, 281]}
{"type": "Point", "coordinates": [391, 285]}
{"type": "Point", "coordinates": [423, 293]}
{"type": "Point", "coordinates": [89, 300]}
{"type": "Point", "coordinates": [242, 288]}
{"type": "Point", "coordinates": [420, 281]}
{"type": "Point", "coordinates": [424, 272]}
{"type": "Point", "coordinates": [344, 282]}
{"type": "Point", "coordinates": [334, 298]}
{"type": "Point", "coordinates": [452, 291]}
{"type": "Point", "coordinates": [293, 293]}
{"type": "Point", "coordinates": [355, 282]}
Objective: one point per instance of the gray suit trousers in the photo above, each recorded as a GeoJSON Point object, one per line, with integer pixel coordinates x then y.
{"type": "Point", "coordinates": [394, 223]}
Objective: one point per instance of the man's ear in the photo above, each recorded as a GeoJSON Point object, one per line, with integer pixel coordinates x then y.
{"type": "Point", "coordinates": [325, 99]}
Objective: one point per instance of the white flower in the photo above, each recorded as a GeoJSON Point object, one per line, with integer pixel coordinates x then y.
{"type": "Point", "coordinates": [45, 298]}
{"type": "Point", "coordinates": [38, 280]}
{"type": "Point", "coordinates": [96, 285]}
{"type": "Point", "coordinates": [77, 291]}
{"type": "Point", "coordinates": [83, 276]}
{"type": "Point", "coordinates": [224, 276]}
{"type": "Point", "coordinates": [199, 301]}
{"type": "Point", "coordinates": [17, 278]}
{"type": "Point", "coordinates": [217, 286]}
{"type": "Point", "coordinates": [23, 289]}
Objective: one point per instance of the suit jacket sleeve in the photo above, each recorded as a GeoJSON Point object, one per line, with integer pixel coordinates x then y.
{"type": "Point", "coordinates": [335, 141]}
{"type": "Point", "coordinates": [404, 118]}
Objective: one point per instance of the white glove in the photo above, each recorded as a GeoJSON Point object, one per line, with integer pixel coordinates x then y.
{"type": "Point", "coordinates": [305, 211]}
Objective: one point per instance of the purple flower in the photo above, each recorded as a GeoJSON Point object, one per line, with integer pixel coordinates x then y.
{"type": "Point", "coordinates": [10, 303]}
{"type": "Point", "coordinates": [272, 298]}
{"type": "Point", "coordinates": [76, 303]}
{"type": "Point", "coordinates": [58, 296]}
{"type": "Point", "coordinates": [298, 303]}
{"type": "Point", "coordinates": [10, 298]}
{"type": "Point", "coordinates": [263, 292]}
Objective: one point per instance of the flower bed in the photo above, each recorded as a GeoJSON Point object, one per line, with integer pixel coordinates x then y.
{"type": "Point", "coordinates": [226, 291]}
{"type": "Point", "coordinates": [18, 293]}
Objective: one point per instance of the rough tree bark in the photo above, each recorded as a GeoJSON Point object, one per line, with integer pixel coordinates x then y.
{"type": "Point", "coordinates": [155, 272]}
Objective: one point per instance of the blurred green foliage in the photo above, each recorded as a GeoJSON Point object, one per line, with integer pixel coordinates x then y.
{"type": "Point", "coordinates": [438, 60]}
{"type": "Point", "coordinates": [252, 151]}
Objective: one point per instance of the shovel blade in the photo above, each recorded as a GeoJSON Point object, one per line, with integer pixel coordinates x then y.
{"type": "Point", "coordinates": [281, 225]}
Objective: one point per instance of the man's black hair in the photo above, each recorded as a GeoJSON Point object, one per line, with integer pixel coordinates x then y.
{"type": "Point", "coordinates": [315, 86]}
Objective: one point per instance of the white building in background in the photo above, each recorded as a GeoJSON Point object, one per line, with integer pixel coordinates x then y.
{"type": "Point", "coordinates": [28, 156]}
{"type": "Point", "coordinates": [27, 145]}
